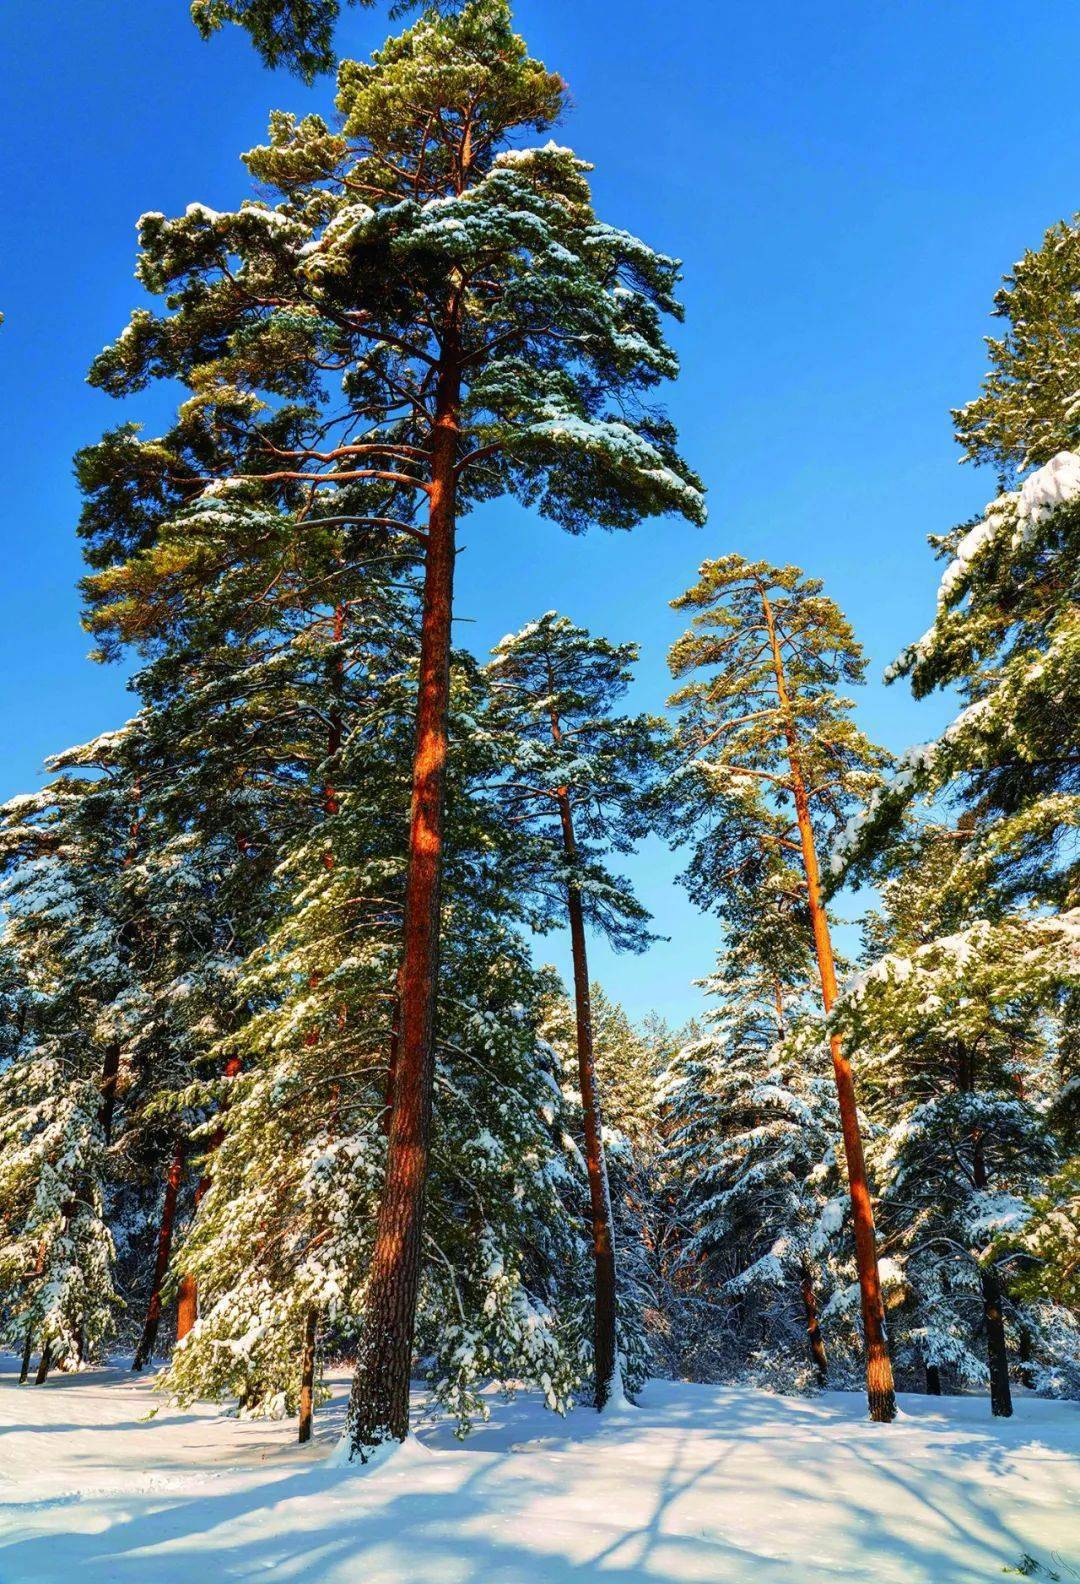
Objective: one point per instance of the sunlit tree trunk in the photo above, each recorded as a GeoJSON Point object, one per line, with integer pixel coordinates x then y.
{"type": "Point", "coordinates": [879, 1378]}
{"type": "Point", "coordinates": [187, 1295]}
{"type": "Point", "coordinates": [307, 1375]}
{"type": "Point", "coordinates": [145, 1350]}
{"type": "Point", "coordinates": [379, 1401]}
{"type": "Point", "coordinates": [813, 1328]}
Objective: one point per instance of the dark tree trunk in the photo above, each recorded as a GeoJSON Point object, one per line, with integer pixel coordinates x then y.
{"type": "Point", "coordinates": [110, 1072]}
{"type": "Point", "coordinates": [933, 1381]}
{"type": "Point", "coordinates": [28, 1348]}
{"type": "Point", "coordinates": [379, 1401]}
{"type": "Point", "coordinates": [605, 1352]}
{"type": "Point", "coordinates": [44, 1366]}
{"type": "Point", "coordinates": [307, 1375]}
{"type": "Point", "coordinates": [996, 1356]}
{"type": "Point", "coordinates": [813, 1329]}
{"type": "Point", "coordinates": [145, 1350]}
{"type": "Point", "coordinates": [879, 1379]}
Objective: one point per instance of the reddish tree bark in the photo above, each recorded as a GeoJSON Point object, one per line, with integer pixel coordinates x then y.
{"type": "Point", "coordinates": [187, 1294]}
{"type": "Point", "coordinates": [813, 1329]}
{"type": "Point", "coordinates": [145, 1350]}
{"type": "Point", "coordinates": [379, 1401]}
{"type": "Point", "coordinates": [879, 1378]}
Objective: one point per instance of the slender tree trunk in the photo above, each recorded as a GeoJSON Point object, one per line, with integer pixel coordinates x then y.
{"type": "Point", "coordinates": [187, 1294]}
{"type": "Point", "coordinates": [1027, 1375]}
{"type": "Point", "coordinates": [145, 1350]}
{"type": "Point", "coordinates": [379, 1401]}
{"type": "Point", "coordinates": [44, 1366]}
{"type": "Point", "coordinates": [28, 1348]}
{"type": "Point", "coordinates": [933, 1381]}
{"type": "Point", "coordinates": [605, 1351]}
{"type": "Point", "coordinates": [110, 1073]}
{"type": "Point", "coordinates": [813, 1329]}
{"type": "Point", "coordinates": [307, 1375]}
{"type": "Point", "coordinates": [879, 1378]}
{"type": "Point", "coordinates": [996, 1355]}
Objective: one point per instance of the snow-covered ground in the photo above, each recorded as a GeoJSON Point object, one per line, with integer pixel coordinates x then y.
{"type": "Point", "coordinates": [698, 1483]}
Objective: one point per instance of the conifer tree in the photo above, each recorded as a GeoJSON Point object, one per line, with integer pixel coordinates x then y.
{"type": "Point", "coordinates": [1005, 635]}
{"type": "Point", "coordinates": [950, 1025]}
{"type": "Point", "coordinates": [575, 790]}
{"type": "Point", "coordinates": [751, 1147]}
{"type": "Point", "coordinates": [774, 759]}
{"type": "Point", "coordinates": [492, 336]}
{"type": "Point", "coordinates": [1006, 631]}
{"type": "Point", "coordinates": [298, 34]}
{"type": "Point", "coordinates": [73, 1005]}
{"type": "Point", "coordinates": [305, 1133]}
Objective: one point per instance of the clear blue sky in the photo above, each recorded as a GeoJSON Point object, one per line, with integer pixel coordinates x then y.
{"type": "Point", "coordinates": [845, 183]}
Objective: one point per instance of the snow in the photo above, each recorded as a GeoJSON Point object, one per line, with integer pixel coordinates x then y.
{"type": "Point", "coordinates": [1049, 487]}
{"type": "Point", "coordinates": [697, 1483]}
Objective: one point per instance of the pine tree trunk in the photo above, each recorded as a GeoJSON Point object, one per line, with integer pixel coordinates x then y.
{"type": "Point", "coordinates": [44, 1366]}
{"type": "Point", "coordinates": [813, 1329]}
{"type": "Point", "coordinates": [187, 1294]}
{"type": "Point", "coordinates": [933, 1381]}
{"type": "Point", "coordinates": [28, 1348]}
{"type": "Point", "coordinates": [605, 1351]}
{"type": "Point", "coordinates": [879, 1379]}
{"type": "Point", "coordinates": [996, 1356]}
{"type": "Point", "coordinates": [379, 1400]}
{"type": "Point", "coordinates": [110, 1072]}
{"type": "Point", "coordinates": [307, 1375]}
{"type": "Point", "coordinates": [145, 1350]}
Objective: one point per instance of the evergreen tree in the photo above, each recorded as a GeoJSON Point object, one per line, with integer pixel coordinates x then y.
{"type": "Point", "coordinates": [774, 759]}
{"type": "Point", "coordinates": [751, 1151]}
{"type": "Point", "coordinates": [951, 1029]}
{"type": "Point", "coordinates": [492, 337]}
{"type": "Point", "coordinates": [71, 1007]}
{"type": "Point", "coordinates": [305, 1129]}
{"type": "Point", "coordinates": [575, 790]}
{"type": "Point", "coordinates": [1006, 632]}
{"type": "Point", "coordinates": [298, 34]}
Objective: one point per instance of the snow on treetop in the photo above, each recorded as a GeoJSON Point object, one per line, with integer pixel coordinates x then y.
{"type": "Point", "coordinates": [1050, 486]}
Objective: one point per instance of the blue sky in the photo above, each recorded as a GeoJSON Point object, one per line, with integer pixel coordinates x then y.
{"type": "Point", "coordinates": [845, 183]}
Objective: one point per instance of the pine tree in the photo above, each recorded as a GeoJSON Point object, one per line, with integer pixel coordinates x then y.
{"type": "Point", "coordinates": [1005, 636]}
{"type": "Point", "coordinates": [1006, 632]}
{"type": "Point", "coordinates": [574, 789]}
{"type": "Point", "coordinates": [768, 737]}
{"type": "Point", "coordinates": [493, 337]}
{"type": "Point", "coordinates": [298, 34]}
{"type": "Point", "coordinates": [71, 1004]}
{"type": "Point", "coordinates": [950, 1024]}
{"type": "Point", "coordinates": [284, 1233]}
{"type": "Point", "coordinates": [751, 1153]}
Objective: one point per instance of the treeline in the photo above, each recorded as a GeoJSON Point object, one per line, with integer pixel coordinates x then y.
{"type": "Point", "coordinates": [277, 1058]}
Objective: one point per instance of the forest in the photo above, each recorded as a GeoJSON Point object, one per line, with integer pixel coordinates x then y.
{"type": "Point", "coordinates": [287, 1083]}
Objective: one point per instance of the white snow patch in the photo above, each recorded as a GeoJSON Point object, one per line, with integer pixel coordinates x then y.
{"type": "Point", "coordinates": [733, 1486]}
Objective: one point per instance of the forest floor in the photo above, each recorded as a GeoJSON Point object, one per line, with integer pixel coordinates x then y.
{"type": "Point", "coordinates": [696, 1484]}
